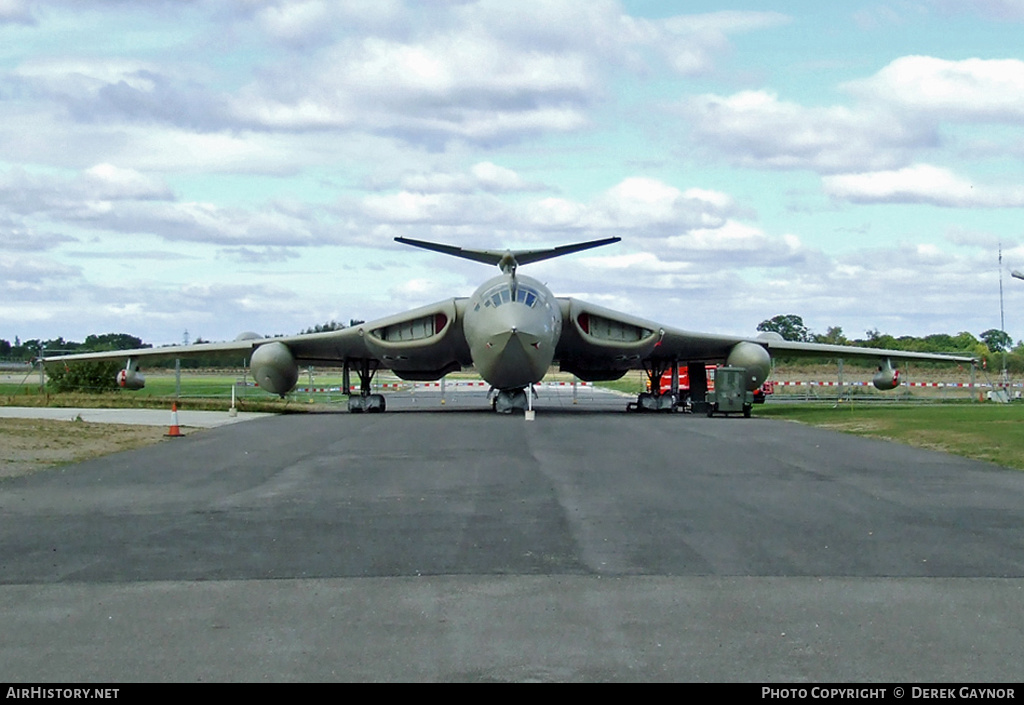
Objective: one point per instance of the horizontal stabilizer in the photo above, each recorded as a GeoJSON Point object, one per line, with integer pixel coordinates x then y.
{"type": "Point", "coordinates": [506, 259]}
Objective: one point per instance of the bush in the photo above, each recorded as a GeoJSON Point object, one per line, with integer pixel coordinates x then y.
{"type": "Point", "coordinates": [83, 377]}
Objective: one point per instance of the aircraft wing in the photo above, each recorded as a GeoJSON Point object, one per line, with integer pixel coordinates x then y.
{"type": "Point", "coordinates": [599, 343]}
{"type": "Point", "coordinates": [424, 343]}
{"type": "Point", "coordinates": [242, 347]}
{"type": "Point", "coordinates": [793, 349]}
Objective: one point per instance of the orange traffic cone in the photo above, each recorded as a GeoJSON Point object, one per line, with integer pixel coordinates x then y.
{"type": "Point", "coordinates": [174, 431]}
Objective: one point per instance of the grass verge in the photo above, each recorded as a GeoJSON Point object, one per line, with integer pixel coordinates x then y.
{"type": "Point", "coordinates": [990, 432]}
{"type": "Point", "coordinates": [30, 445]}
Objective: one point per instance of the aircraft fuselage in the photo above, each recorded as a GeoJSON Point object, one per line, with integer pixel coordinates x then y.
{"type": "Point", "coordinates": [512, 326]}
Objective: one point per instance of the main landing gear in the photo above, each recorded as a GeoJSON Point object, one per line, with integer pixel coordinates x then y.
{"type": "Point", "coordinates": [370, 403]}
{"type": "Point", "coordinates": [655, 399]}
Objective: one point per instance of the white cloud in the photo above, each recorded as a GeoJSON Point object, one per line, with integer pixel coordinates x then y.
{"type": "Point", "coordinates": [556, 214]}
{"type": "Point", "coordinates": [465, 85]}
{"type": "Point", "coordinates": [996, 9]}
{"type": "Point", "coordinates": [737, 245]}
{"type": "Point", "coordinates": [298, 22]}
{"type": "Point", "coordinates": [16, 11]}
{"type": "Point", "coordinates": [15, 237]}
{"type": "Point", "coordinates": [483, 176]}
{"type": "Point", "coordinates": [921, 183]}
{"type": "Point", "coordinates": [478, 72]}
{"type": "Point", "coordinates": [31, 277]}
{"type": "Point", "coordinates": [432, 208]}
{"type": "Point", "coordinates": [492, 177]}
{"type": "Point", "coordinates": [111, 182]}
{"type": "Point", "coordinates": [756, 129]}
{"type": "Point", "coordinates": [648, 207]}
{"type": "Point", "coordinates": [897, 116]}
{"type": "Point", "coordinates": [636, 262]}
{"type": "Point", "coordinates": [943, 90]}
{"type": "Point", "coordinates": [637, 207]}
{"type": "Point", "coordinates": [84, 195]}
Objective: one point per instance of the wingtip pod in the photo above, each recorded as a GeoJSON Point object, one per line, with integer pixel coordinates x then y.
{"type": "Point", "coordinates": [507, 259]}
{"type": "Point", "coordinates": [754, 359]}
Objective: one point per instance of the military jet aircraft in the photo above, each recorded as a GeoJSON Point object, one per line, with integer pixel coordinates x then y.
{"type": "Point", "coordinates": [511, 330]}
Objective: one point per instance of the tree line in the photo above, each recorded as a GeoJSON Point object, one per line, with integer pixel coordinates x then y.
{"type": "Point", "coordinates": [989, 347]}
{"type": "Point", "coordinates": [31, 349]}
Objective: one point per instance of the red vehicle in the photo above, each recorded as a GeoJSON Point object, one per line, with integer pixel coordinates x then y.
{"type": "Point", "coordinates": [684, 383]}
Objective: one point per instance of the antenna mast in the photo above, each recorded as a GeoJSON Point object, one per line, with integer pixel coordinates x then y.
{"type": "Point", "coordinates": [1002, 317]}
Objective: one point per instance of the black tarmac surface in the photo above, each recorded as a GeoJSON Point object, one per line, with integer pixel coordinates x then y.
{"type": "Point", "coordinates": [457, 544]}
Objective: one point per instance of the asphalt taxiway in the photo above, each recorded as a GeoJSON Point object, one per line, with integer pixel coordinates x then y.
{"type": "Point", "coordinates": [457, 544]}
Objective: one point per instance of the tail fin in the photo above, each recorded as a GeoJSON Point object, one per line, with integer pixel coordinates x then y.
{"type": "Point", "coordinates": [509, 259]}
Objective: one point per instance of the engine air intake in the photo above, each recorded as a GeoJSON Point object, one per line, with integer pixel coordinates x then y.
{"type": "Point", "coordinates": [608, 329]}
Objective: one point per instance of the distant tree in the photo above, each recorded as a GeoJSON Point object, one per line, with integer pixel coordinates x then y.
{"type": "Point", "coordinates": [325, 327]}
{"type": "Point", "coordinates": [27, 350]}
{"type": "Point", "coordinates": [5, 348]}
{"type": "Point", "coordinates": [113, 341]}
{"type": "Point", "coordinates": [964, 341]}
{"type": "Point", "coordinates": [876, 339]}
{"type": "Point", "coordinates": [789, 326]}
{"type": "Point", "coordinates": [997, 340]}
{"type": "Point", "coordinates": [833, 336]}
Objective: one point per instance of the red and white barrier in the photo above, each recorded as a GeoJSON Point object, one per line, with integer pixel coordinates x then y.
{"type": "Point", "coordinates": [932, 385]}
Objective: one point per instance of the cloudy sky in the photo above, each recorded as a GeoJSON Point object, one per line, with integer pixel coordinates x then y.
{"type": "Point", "coordinates": [214, 166]}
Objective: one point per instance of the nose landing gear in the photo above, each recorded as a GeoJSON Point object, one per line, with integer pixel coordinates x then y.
{"type": "Point", "coordinates": [505, 401]}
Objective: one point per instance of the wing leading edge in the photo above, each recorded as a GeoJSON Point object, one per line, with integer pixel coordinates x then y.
{"type": "Point", "coordinates": [604, 344]}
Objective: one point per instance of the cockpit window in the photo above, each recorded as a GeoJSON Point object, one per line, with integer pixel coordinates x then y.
{"type": "Point", "coordinates": [502, 294]}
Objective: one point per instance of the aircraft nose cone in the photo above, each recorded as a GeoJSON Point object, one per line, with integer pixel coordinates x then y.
{"type": "Point", "coordinates": [516, 361]}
